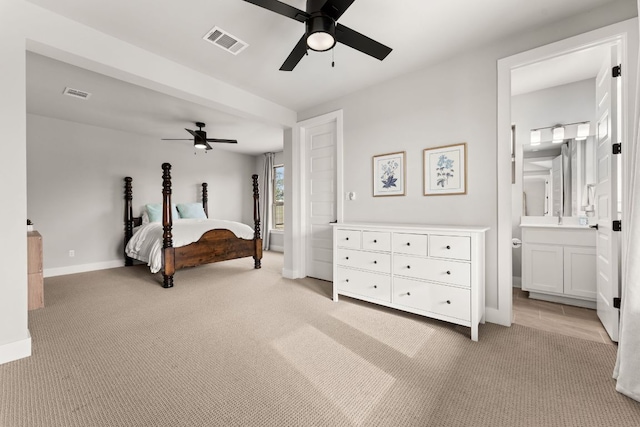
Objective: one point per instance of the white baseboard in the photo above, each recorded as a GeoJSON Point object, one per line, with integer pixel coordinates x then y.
{"type": "Point", "coordinates": [72, 269]}
{"type": "Point", "coordinates": [517, 282]}
{"type": "Point", "coordinates": [290, 274]}
{"type": "Point", "coordinates": [493, 315]}
{"type": "Point", "coordinates": [15, 350]}
{"type": "Point", "coordinates": [274, 248]}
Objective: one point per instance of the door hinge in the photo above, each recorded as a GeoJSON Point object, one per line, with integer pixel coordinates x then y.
{"type": "Point", "coordinates": [617, 148]}
{"type": "Point", "coordinates": [616, 302]}
{"type": "Point", "coordinates": [616, 71]}
{"type": "Point", "coordinates": [617, 225]}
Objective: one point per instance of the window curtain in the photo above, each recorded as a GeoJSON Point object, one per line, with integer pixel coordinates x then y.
{"type": "Point", "coordinates": [627, 370]}
{"type": "Point", "coordinates": [267, 199]}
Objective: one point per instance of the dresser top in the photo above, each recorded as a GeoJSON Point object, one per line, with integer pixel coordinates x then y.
{"type": "Point", "coordinates": [412, 227]}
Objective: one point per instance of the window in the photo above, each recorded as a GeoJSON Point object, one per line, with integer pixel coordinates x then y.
{"type": "Point", "coordinates": [278, 197]}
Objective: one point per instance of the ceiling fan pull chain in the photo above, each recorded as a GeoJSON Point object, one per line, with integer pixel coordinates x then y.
{"type": "Point", "coordinates": [333, 57]}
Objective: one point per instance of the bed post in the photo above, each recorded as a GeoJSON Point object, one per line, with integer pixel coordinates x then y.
{"type": "Point", "coordinates": [256, 219]}
{"type": "Point", "coordinates": [168, 259]}
{"type": "Point", "coordinates": [128, 217]}
{"type": "Point", "coordinates": [205, 199]}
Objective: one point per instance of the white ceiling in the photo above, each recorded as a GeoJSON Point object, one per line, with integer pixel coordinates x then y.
{"type": "Point", "coordinates": [420, 33]}
{"type": "Point", "coordinates": [573, 67]}
{"type": "Point", "coordinates": [123, 106]}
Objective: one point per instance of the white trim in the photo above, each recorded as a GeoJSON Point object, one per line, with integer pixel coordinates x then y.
{"type": "Point", "coordinates": [299, 155]}
{"type": "Point", "coordinates": [274, 248]}
{"type": "Point", "coordinates": [625, 33]}
{"type": "Point", "coordinates": [82, 268]}
{"type": "Point", "coordinates": [493, 315]}
{"type": "Point", "coordinates": [290, 274]}
{"type": "Point", "coordinates": [15, 350]}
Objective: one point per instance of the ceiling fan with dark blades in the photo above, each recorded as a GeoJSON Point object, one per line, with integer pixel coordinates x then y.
{"type": "Point", "coordinates": [322, 30]}
{"type": "Point", "coordinates": [200, 139]}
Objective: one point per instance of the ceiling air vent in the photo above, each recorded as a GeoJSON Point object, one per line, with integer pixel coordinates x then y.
{"type": "Point", "coordinates": [76, 93]}
{"type": "Point", "coordinates": [225, 41]}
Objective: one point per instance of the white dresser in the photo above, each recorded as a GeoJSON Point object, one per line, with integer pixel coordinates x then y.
{"type": "Point", "coordinates": [434, 271]}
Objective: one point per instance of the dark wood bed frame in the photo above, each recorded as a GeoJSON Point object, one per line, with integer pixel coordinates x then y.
{"type": "Point", "coordinates": [213, 246]}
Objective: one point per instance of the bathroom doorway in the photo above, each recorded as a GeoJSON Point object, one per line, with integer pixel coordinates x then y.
{"type": "Point", "coordinates": [568, 67]}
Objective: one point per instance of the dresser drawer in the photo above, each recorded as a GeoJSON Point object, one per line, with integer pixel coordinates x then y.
{"type": "Point", "coordinates": [434, 298]}
{"type": "Point", "coordinates": [455, 273]}
{"type": "Point", "coordinates": [348, 238]}
{"type": "Point", "coordinates": [454, 247]}
{"type": "Point", "coordinates": [412, 244]}
{"type": "Point", "coordinates": [364, 283]}
{"type": "Point", "coordinates": [376, 241]}
{"type": "Point", "coordinates": [372, 261]}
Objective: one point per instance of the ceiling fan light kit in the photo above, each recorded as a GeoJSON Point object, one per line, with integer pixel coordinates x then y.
{"type": "Point", "coordinates": [200, 140]}
{"type": "Point", "coordinates": [322, 30]}
{"type": "Point", "coordinates": [321, 33]}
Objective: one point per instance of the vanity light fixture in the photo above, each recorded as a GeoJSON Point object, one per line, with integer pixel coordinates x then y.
{"type": "Point", "coordinates": [536, 136]}
{"type": "Point", "coordinates": [558, 134]}
{"type": "Point", "coordinates": [583, 131]}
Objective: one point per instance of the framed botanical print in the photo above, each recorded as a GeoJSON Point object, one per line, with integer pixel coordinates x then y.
{"type": "Point", "coordinates": [389, 174]}
{"type": "Point", "coordinates": [445, 170]}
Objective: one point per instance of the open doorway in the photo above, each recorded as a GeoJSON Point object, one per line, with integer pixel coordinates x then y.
{"type": "Point", "coordinates": [551, 256]}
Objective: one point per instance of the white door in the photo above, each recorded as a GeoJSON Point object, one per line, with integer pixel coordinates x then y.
{"type": "Point", "coordinates": [321, 199]}
{"type": "Point", "coordinates": [607, 128]}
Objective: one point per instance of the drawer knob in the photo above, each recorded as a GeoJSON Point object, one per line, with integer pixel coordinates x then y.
{"type": "Point", "coordinates": [408, 243]}
{"type": "Point", "coordinates": [448, 247]}
{"type": "Point", "coordinates": [408, 294]}
{"type": "Point", "coordinates": [448, 272]}
{"type": "Point", "coordinates": [346, 257]}
{"type": "Point", "coordinates": [408, 266]}
{"type": "Point", "coordinates": [346, 280]}
{"type": "Point", "coordinates": [347, 238]}
{"type": "Point", "coordinates": [375, 286]}
{"type": "Point", "coordinates": [375, 241]}
{"type": "Point", "coordinates": [448, 301]}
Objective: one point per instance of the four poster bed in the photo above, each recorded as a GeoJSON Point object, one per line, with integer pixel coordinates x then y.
{"type": "Point", "coordinates": [198, 239]}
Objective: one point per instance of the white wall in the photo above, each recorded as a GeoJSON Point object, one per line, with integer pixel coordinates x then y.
{"type": "Point", "coordinates": [75, 187]}
{"type": "Point", "coordinates": [451, 102]}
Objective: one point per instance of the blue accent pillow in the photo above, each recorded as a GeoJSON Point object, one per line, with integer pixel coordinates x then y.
{"type": "Point", "coordinates": [191, 210]}
{"type": "Point", "coordinates": [154, 210]}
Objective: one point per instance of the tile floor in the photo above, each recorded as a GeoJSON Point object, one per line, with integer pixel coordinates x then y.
{"type": "Point", "coordinates": [559, 318]}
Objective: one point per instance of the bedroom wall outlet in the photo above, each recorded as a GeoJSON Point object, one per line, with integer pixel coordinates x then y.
{"type": "Point", "coordinates": [72, 253]}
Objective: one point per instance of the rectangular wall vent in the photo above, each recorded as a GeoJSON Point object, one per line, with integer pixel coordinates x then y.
{"type": "Point", "coordinates": [76, 93]}
{"type": "Point", "coordinates": [226, 41]}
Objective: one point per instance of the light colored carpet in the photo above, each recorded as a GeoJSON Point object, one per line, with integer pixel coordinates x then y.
{"type": "Point", "coordinates": [234, 346]}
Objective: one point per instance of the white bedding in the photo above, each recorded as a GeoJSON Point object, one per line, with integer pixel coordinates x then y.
{"type": "Point", "coordinates": [146, 243]}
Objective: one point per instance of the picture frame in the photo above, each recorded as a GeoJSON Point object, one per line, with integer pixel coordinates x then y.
{"type": "Point", "coordinates": [389, 174]}
{"type": "Point", "coordinates": [445, 170]}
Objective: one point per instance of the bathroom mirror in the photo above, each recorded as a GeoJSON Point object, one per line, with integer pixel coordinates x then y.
{"type": "Point", "coordinates": [558, 180]}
